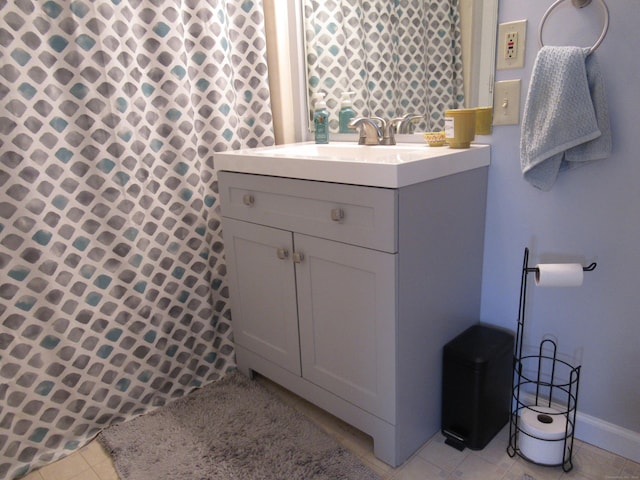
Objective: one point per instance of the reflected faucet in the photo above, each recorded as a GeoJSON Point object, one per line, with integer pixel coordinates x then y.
{"type": "Point", "coordinates": [407, 121]}
{"type": "Point", "coordinates": [401, 125]}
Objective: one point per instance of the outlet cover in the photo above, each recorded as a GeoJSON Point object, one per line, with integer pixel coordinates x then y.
{"type": "Point", "coordinates": [506, 102]}
{"type": "Point", "coordinates": [511, 42]}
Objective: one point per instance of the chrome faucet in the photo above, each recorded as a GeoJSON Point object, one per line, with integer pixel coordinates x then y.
{"type": "Point", "coordinates": [377, 131]}
{"type": "Point", "coordinates": [389, 137]}
{"type": "Point", "coordinates": [370, 131]}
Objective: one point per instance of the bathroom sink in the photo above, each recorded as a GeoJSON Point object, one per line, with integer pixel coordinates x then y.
{"type": "Point", "coordinates": [390, 166]}
{"type": "Point", "coordinates": [347, 152]}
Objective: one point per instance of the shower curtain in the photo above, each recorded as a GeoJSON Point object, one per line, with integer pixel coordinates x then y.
{"type": "Point", "coordinates": [113, 298]}
{"type": "Point", "coordinates": [398, 57]}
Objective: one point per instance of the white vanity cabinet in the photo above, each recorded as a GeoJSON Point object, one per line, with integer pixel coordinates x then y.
{"type": "Point", "coordinates": [317, 307]}
{"type": "Point", "coordinates": [345, 294]}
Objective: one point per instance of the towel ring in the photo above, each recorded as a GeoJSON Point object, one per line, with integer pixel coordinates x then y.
{"type": "Point", "coordinates": [578, 4]}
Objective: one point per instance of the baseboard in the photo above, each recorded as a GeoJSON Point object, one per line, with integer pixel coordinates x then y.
{"type": "Point", "coordinates": [610, 437]}
{"type": "Point", "coordinates": [602, 434]}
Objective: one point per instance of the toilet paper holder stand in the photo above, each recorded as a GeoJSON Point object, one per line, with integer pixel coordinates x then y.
{"type": "Point", "coordinates": [523, 297]}
{"type": "Point", "coordinates": [554, 381]}
{"type": "Point", "coordinates": [540, 381]}
{"type": "Point", "coordinates": [588, 268]}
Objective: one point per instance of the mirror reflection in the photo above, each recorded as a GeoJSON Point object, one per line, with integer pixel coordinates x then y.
{"type": "Point", "coordinates": [393, 59]}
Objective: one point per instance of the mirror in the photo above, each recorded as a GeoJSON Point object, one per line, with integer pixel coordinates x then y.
{"type": "Point", "coordinates": [398, 58]}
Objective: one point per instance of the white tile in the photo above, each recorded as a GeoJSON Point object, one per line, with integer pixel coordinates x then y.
{"type": "Point", "coordinates": [105, 470]}
{"type": "Point", "coordinates": [86, 475]}
{"type": "Point", "coordinates": [631, 470]}
{"type": "Point", "coordinates": [496, 450]}
{"type": "Point", "coordinates": [594, 463]}
{"type": "Point", "coordinates": [378, 466]}
{"type": "Point", "coordinates": [33, 476]}
{"type": "Point", "coordinates": [521, 467]}
{"type": "Point", "coordinates": [441, 454]}
{"type": "Point", "coordinates": [66, 468]}
{"type": "Point", "coordinates": [94, 453]}
{"type": "Point", "coordinates": [474, 467]}
{"type": "Point", "coordinates": [419, 469]}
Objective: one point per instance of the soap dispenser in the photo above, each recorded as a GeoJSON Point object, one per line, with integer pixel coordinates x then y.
{"type": "Point", "coordinates": [321, 119]}
{"type": "Point", "coordinates": [346, 113]}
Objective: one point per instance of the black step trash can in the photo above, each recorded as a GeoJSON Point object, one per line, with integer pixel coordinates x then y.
{"type": "Point", "coordinates": [476, 386]}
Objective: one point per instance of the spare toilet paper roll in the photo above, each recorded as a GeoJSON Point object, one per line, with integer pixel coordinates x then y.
{"type": "Point", "coordinates": [559, 274]}
{"type": "Point", "coordinates": [541, 435]}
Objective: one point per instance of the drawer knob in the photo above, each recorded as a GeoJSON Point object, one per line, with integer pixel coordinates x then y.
{"type": "Point", "coordinates": [337, 214]}
{"type": "Point", "coordinates": [298, 257]}
{"type": "Point", "coordinates": [283, 253]}
{"type": "Point", "coordinates": [248, 199]}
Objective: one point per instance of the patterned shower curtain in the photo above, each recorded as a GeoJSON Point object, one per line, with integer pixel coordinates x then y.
{"type": "Point", "coordinates": [112, 282]}
{"type": "Point", "coordinates": [397, 56]}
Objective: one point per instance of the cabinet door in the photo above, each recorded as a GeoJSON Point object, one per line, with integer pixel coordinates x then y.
{"type": "Point", "coordinates": [347, 318]}
{"type": "Point", "coordinates": [263, 296]}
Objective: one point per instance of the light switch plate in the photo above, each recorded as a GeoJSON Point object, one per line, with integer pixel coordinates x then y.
{"type": "Point", "coordinates": [506, 102]}
{"type": "Point", "coordinates": [511, 43]}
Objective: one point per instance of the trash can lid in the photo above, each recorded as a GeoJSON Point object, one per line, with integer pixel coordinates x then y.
{"type": "Point", "coordinates": [480, 344]}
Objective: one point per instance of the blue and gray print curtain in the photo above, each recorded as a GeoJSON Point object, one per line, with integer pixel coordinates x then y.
{"type": "Point", "coordinates": [397, 56]}
{"type": "Point", "coordinates": [112, 282]}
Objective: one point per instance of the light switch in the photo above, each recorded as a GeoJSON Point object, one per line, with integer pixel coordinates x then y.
{"type": "Point", "coordinates": [506, 102]}
{"type": "Point", "coordinates": [511, 42]}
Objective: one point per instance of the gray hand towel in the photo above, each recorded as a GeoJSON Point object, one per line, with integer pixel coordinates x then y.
{"type": "Point", "coordinates": [566, 120]}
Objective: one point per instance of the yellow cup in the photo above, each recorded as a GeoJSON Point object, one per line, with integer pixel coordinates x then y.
{"type": "Point", "coordinates": [460, 127]}
{"type": "Point", "coordinates": [484, 120]}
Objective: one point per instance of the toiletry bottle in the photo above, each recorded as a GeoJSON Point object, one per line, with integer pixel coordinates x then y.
{"type": "Point", "coordinates": [346, 113]}
{"type": "Point", "coordinates": [321, 120]}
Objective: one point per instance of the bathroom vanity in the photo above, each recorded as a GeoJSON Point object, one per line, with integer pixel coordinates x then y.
{"type": "Point", "coordinates": [350, 267]}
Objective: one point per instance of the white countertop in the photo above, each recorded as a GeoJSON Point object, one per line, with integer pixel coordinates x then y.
{"type": "Point", "coordinates": [344, 162]}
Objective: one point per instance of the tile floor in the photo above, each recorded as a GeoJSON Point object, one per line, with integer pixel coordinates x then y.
{"type": "Point", "coordinates": [435, 461]}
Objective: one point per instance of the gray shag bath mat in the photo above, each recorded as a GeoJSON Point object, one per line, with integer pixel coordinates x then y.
{"type": "Point", "coordinates": [233, 429]}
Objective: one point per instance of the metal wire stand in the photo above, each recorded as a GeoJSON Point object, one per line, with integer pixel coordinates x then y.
{"type": "Point", "coordinates": [542, 381]}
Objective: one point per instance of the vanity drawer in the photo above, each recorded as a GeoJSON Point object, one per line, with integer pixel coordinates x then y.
{"type": "Point", "coordinates": [357, 215]}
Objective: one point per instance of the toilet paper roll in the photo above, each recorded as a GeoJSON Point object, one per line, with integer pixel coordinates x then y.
{"type": "Point", "coordinates": [559, 274]}
{"type": "Point", "coordinates": [541, 435]}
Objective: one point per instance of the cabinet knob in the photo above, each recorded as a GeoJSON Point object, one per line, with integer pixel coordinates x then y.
{"type": "Point", "coordinates": [337, 214]}
{"type": "Point", "coordinates": [248, 199]}
{"type": "Point", "coordinates": [298, 257]}
{"type": "Point", "coordinates": [283, 253]}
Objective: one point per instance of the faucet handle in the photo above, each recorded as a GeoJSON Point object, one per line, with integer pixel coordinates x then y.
{"type": "Point", "coordinates": [389, 137]}
{"type": "Point", "coordinates": [370, 133]}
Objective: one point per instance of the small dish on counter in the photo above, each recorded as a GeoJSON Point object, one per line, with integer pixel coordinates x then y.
{"type": "Point", "coordinates": [434, 139]}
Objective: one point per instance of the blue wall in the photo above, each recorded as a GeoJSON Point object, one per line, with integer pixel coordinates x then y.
{"type": "Point", "coordinates": [591, 214]}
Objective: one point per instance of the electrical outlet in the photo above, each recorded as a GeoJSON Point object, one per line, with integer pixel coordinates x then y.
{"type": "Point", "coordinates": [511, 47]}
{"type": "Point", "coordinates": [511, 43]}
{"type": "Point", "coordinates": [506, 102]}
